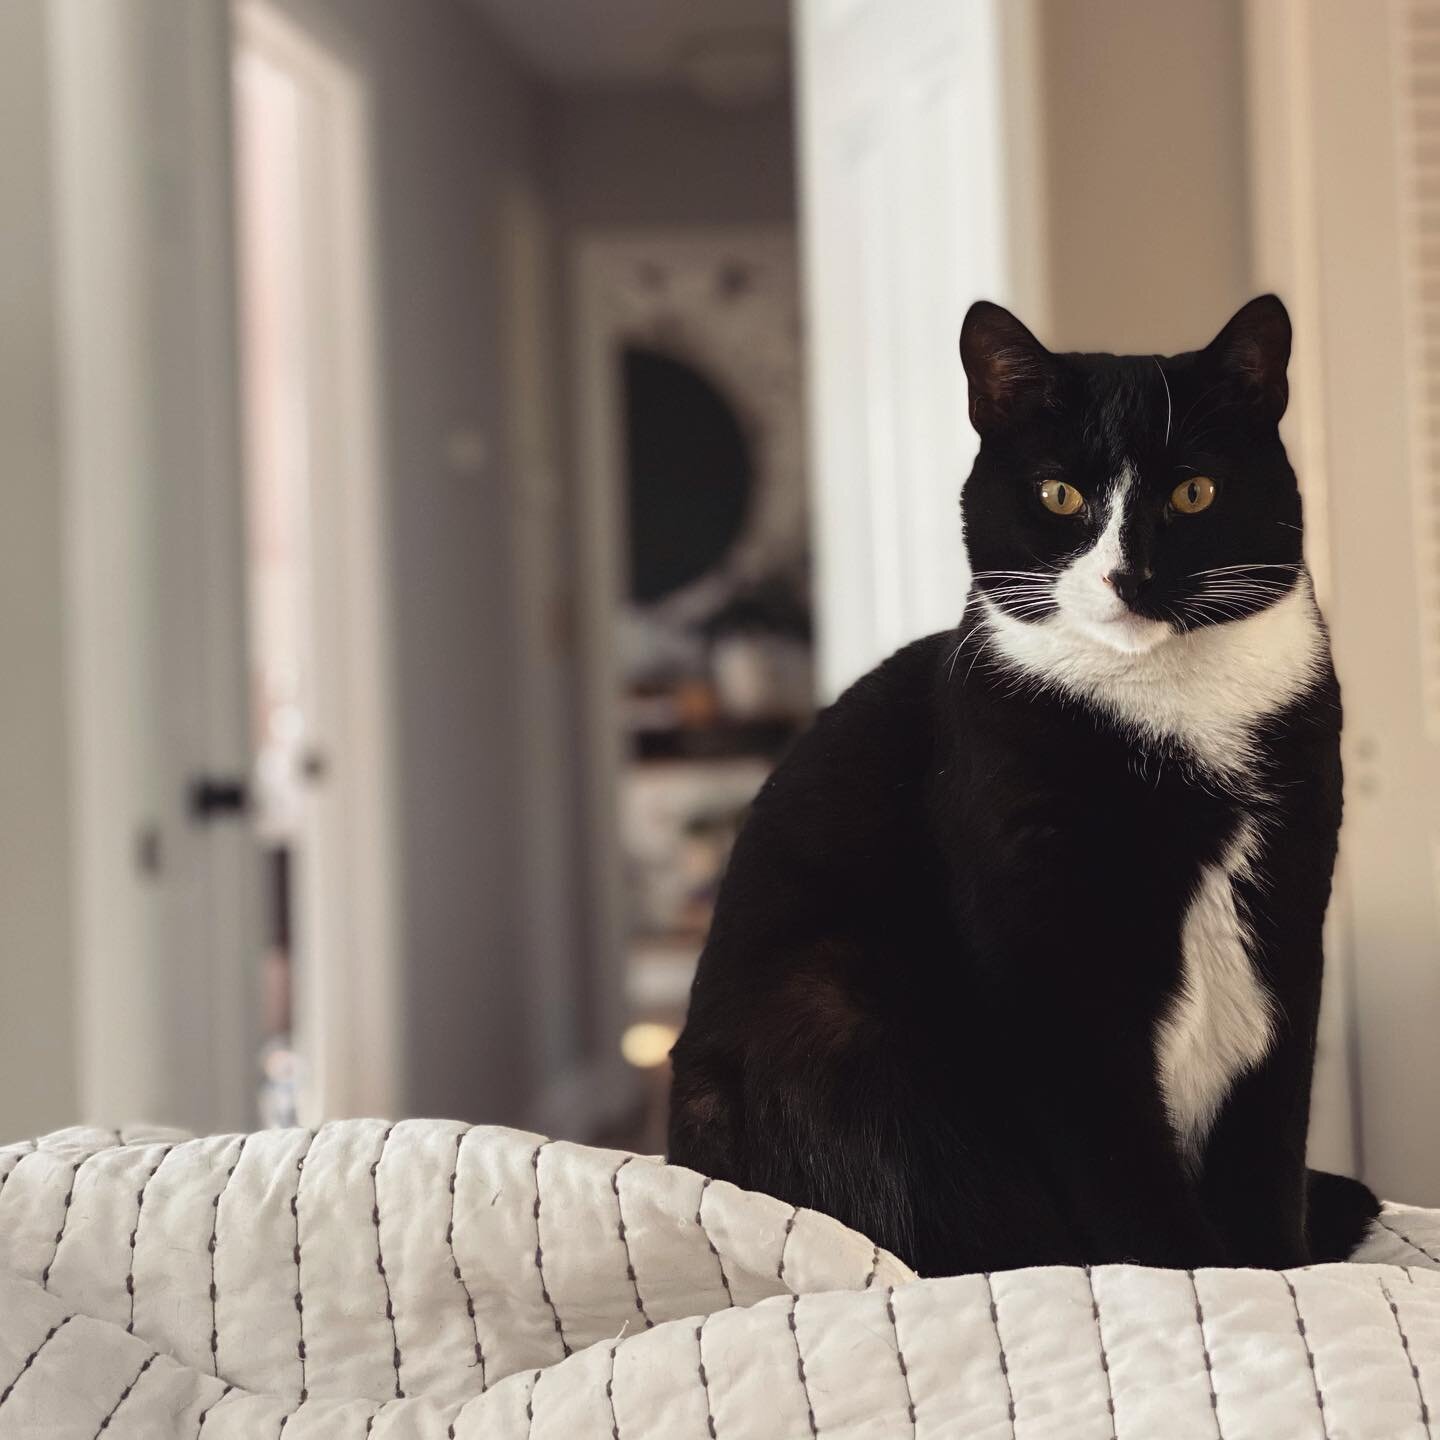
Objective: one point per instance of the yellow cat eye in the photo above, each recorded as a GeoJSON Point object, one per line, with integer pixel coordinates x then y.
{"type": "Point", "coordinates": [1192, 496]}
{"type": "Point", "coordinates": [1061, 498]}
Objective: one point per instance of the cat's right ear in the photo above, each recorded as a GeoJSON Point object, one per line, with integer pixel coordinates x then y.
{"type": "Point", "coordinates": [1009, 370]}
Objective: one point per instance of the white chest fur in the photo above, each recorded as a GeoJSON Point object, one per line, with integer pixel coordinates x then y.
{"type": "Point", "coordinates": [1204, 693]}
{"type": "Point", "coordinates": [1207, 689]}
{"type": "Point", "coordinates": [1220, 1021]}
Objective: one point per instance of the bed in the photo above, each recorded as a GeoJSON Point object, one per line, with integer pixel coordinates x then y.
{"type": "Point", "coordinates": [433, 1279]}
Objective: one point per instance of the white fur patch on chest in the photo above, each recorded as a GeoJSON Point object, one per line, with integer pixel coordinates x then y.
{"type": "Point", "coordinates": [1206, 689]}
{"type": "Point", "coordinates": [1220, 1022]}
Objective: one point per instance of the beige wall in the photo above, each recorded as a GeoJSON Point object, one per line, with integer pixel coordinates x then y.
{"type": "Point", "coordinates": [1147, 180]}
{"type": "Point", "coordinates": [37, 1017]}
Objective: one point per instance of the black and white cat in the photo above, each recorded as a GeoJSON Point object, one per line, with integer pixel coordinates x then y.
{"type": "Point", "coordinates": [1018, 956]}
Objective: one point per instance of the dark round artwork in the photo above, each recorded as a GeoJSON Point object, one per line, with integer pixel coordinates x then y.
{"type": "Point", "coordinates": [691, 473]}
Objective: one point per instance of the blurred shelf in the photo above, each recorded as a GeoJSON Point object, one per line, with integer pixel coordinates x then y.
{"type": "Point", "coordinates": [660, 972]}
{"type": "Point", "coordinates": [760, 739]}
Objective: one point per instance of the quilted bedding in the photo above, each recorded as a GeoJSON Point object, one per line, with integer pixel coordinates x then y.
{"type": "Point", "coordinates": [433, 1279]}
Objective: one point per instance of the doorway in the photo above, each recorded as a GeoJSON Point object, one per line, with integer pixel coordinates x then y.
{"type": "Point", "coordinates": [695, 589]}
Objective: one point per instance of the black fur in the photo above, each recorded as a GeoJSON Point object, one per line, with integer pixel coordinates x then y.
{"type": "Point", "coordinates": [1341, 1211]}
{"type": "Point", "coordinates": [929, 998]}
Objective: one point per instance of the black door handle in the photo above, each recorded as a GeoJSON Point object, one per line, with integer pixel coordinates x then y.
{"type": "Point", "coordinates": [213, 797]}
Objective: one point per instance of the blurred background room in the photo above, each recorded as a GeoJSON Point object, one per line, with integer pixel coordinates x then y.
{"type": "Point", "coordinates": [450, 447]}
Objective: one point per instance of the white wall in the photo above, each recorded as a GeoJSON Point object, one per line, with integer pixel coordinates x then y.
{"type": "Point", "coordinates": [38, 1080]}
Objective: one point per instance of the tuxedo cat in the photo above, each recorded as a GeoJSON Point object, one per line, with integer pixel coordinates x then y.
{"type": "Point", "coordinates": [1017, 959]}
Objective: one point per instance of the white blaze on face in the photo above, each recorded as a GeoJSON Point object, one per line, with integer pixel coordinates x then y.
{"type": "Point", "coordinates": [1088, 603]}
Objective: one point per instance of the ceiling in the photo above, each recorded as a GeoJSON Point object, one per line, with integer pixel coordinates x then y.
{"type": "Point", "coordinates": [624, 41]}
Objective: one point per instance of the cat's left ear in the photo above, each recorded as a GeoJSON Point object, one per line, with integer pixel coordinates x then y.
{"type": "Point", "coordinates": [1254, 348]}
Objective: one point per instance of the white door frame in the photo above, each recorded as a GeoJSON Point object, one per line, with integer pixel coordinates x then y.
{"type": "Point", "coordinates": [347, 937]}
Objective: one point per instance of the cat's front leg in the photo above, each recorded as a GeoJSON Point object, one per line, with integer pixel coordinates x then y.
{"type": "Point", "coordinates": [1073, 981]}
{"type": "Point", "coordinates": [1254, 1179]}
{"type": "Point", "coordinates": [1115, 1158]}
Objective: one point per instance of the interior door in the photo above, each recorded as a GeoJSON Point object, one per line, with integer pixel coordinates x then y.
{"type": "Point", "coordinates": [166, 897]}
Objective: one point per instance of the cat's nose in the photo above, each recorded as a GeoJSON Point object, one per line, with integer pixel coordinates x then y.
{"type": "Point", "coordinates": [1127, 584]}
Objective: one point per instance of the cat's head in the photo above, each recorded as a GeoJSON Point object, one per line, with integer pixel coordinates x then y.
{"type": "Point", "coordinates": [1125, 499]}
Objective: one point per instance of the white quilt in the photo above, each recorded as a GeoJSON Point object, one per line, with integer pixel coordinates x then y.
{"type": "Point", "coordinates": [434, 1279]}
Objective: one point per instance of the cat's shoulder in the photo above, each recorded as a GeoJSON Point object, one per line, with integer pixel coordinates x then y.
{"type": "Point", "coordinates": [888, 706]}
{"type": "Point", "coordinates": [908, 675]}
{"type": "Point", "coordinates": [876, 736]}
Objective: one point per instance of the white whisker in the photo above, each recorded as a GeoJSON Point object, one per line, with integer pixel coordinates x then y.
{"type": "Point", "coordinates": [1015, 574]}
{"type": "Point", "coordinates": [1241, 587]}
{"type": "Point", "coordinates": [1252, 565]}
{"type": "Point", "coordinates": [979, 651]}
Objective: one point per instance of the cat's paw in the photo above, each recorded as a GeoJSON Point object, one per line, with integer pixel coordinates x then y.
{"type": "Point", "coordinates": [1339, 1212]}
